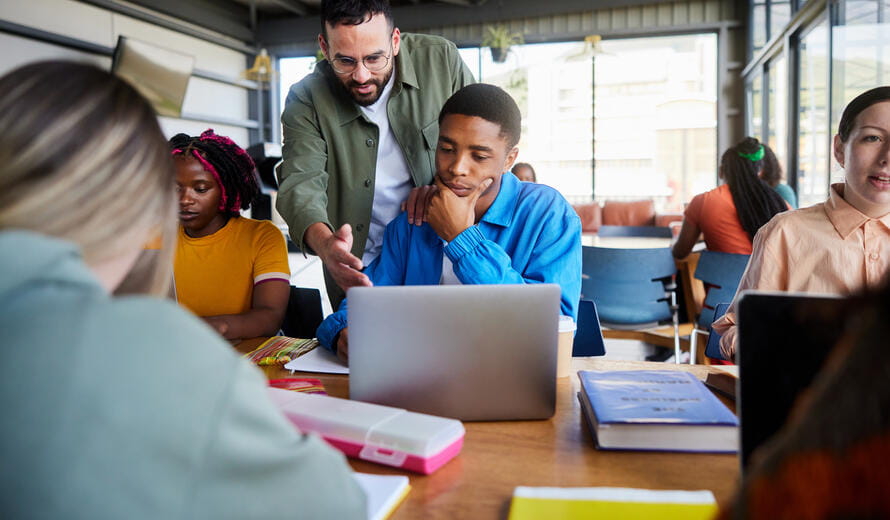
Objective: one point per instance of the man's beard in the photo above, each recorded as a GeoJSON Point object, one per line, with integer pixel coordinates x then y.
{"type": "Point", "coordinates": [368, 100]}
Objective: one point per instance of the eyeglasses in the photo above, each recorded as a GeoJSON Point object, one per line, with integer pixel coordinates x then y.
{"type": "Point", "coordinates": [374, 63]}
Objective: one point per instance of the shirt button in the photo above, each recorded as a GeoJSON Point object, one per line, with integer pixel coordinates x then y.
{"type": "Point", "coordinates": [369, 142]}
{"type": "Point", "coordinates": [874, 257]}
{"type": "Point", "coordinates": [367, 183]}
{"type": "Point", "coordinates": [360, 227]}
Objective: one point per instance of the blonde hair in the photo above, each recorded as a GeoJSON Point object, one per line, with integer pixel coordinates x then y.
{"type": "Point", "coordinates": [82, 158]}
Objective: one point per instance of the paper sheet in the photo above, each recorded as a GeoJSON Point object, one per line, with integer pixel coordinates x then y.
{"type": "Point", "coordinates": [384, 493]}
{"type": "Point", "coordinates": [318, 359]}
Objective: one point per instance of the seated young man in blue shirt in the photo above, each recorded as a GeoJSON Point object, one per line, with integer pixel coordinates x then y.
{"type": "Point", "coordinates": [483, 225]}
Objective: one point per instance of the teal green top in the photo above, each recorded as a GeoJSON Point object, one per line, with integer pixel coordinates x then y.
{"type": "Point", "coordinates": [330, 146]}
{"type": "Point", "coordinates": [786, 193]}
{"type": "Point", "coordinates": [132, 408]}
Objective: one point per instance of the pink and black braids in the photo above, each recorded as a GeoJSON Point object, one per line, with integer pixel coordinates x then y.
{"type": "Point", "coordinates": [229, 164]}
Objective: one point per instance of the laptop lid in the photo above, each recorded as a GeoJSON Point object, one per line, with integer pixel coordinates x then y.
{"type": "Point", "coordinates": [471, 352]}
{"type": "Point", "coordinates": [784, 340]}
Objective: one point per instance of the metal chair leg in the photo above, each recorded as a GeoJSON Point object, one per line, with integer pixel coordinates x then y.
{"type": "Point", "coordinates": [676, 321]}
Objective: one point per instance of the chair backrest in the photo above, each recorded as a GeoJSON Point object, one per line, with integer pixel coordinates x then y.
{"type": "Point", "coordinates": [627, 284]}
{"type": "Point", "coordinates": [634, 231]}
{"type": "Point", "coordinates": [721, 273]}
{"type": "Point", "coordinates": [588, 336]}
{"type": "Point", "coordinates": [712, 350]}
{"type": "Point", "coordinates": [629, 213]}
{"type": "Point", "coordinates": [591, 215]}
{"type": "Point", "coordinates": [304, 313]}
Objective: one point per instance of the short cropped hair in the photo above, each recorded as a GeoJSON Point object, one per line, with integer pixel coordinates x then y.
{"type": "Point", "coordinates": [490, 103]}
{"type": "Point", "coordinates": [352, 12]}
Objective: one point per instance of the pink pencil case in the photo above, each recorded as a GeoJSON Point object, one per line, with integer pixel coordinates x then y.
{"type": "Point", "coordinates": [382, 434]}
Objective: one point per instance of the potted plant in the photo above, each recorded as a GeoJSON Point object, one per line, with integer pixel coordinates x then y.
{"type": "Point", "coordinates": [499, 39]}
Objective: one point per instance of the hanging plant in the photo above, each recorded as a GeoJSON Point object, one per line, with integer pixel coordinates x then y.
{"type": "Point", "coordinates": [499, 40]}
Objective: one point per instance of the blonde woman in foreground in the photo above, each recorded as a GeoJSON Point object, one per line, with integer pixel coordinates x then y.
{"type": "Point", "coordinates": [122, 407]}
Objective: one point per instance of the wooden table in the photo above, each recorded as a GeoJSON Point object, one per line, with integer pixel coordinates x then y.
{"type": "Point", "coordinates": [593, 240]}
{"type": "Point", "coordinates": [498, 456]}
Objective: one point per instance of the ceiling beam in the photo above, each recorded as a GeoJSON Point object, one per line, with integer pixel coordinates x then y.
{"type": "Point", "coordinates": [293, 6]}
{"type": "Point", "coordinates": [293, 32]}
{"type": "Point", "coordinates": [228, 18]}
{"type": "Point", "coordinates": [224, 18]}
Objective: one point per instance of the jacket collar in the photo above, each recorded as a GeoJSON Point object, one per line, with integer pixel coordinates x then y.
{"type": "Point", "coordinates": [501, 211]}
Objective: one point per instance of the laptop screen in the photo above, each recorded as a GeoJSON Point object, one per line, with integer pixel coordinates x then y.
{"type": "Point", "coordinates": [784, 340]}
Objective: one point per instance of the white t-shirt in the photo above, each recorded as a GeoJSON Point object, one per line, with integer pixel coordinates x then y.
{"type": "Point", "coordinates": [392, 182]}
{"type": "Point", "coordinates": [448, 275]}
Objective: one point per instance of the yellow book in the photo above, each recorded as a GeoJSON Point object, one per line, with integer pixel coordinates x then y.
{"type": "Point", "coordinates": [533, 503]}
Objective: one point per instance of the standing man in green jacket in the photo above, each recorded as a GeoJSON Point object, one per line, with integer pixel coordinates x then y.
{"type": "Point", "coordinates": [359, 133]}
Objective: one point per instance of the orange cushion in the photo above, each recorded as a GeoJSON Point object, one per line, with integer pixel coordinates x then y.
{"type": "Point", "coordinates": [630, 213]}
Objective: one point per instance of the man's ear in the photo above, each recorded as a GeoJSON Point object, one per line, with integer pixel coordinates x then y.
{"type": "Point", "coordinates": [322, 44]}
{"type": "Point", "coordinates": [510, 159]}
{"type": "Point", "coordinates": [839, 150]}
{"type": "Point", "coordinates": [396, 41]}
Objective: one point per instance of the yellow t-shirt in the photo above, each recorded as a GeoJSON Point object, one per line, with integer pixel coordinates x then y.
{"type": "Point", "coordinates": [216, 274]}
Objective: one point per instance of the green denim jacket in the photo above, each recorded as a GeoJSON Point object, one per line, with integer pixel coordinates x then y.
{"type": "Point", "coordinates": [330, 148]}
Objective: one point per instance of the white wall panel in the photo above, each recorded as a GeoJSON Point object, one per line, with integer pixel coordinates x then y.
{"type": "Point", "coordinates": [18, 51]}
{"type": "Point", "coordinates": [85, 22]}
{"type": "Point", "coordinates": [211, 97]}
{"type": "Point", "coordinates": [208, 56]}
{"type": "Point", "coordinates": [65, 17]}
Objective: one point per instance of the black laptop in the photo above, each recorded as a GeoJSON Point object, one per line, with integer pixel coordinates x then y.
{"type": "Point", "coordinates": [784, 340]}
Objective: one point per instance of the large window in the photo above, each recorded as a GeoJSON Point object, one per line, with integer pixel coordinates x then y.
{"type": "Point", "coordinates": [767, 20]}
{"type": "Point", "coordinates": [860, 51]}
{"type": "Point", "coordinates": [292, 70]}
{"type": "Point", "coordinates": [813, 118]}
{"type": "Point", "coordinates": [777, 110]}
{"type": "Point", "coordinates": [552, 84]}
{"type": "Point", "coordinates": [653, 114]}
{"type": "Point", "coordinates": [656, 118]}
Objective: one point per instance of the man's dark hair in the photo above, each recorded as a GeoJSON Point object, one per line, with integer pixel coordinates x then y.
{"type": "Point", "coordinates": [491, 104]}
{"type": "Point", "coordinates": [352, 12]}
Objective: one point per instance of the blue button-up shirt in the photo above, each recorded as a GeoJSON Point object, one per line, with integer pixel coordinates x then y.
{"type": "Point", "coordinates": [529, 234]}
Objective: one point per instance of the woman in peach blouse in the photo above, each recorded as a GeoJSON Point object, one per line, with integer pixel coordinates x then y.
{"type": "Point", "coordinates": [842, 245]}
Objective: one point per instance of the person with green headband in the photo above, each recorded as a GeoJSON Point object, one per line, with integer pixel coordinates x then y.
{"type": "Point", "coordinates": [771, 173]}
{"type": "Point", "coordinates": [729, 216]}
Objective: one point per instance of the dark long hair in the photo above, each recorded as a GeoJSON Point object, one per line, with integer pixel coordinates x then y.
{"type": "Point", "coordinates": [755, 202]}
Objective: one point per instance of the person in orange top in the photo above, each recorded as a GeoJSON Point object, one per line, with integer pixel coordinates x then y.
{"type": "Point", "coordinates": [230, 270]}
{"type": "Point", "coordinates": [730, 215]}
{"type": "Point", "coordinates": [842, 245]}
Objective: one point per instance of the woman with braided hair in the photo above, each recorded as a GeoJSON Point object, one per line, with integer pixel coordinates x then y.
{"type": "Point", "coordinates": [230, 270]}
{"type": "Point", "coordinates": [730, 215]}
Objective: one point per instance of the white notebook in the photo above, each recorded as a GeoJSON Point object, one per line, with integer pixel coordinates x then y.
{"type": "Point", "coordinates": [384, 493]}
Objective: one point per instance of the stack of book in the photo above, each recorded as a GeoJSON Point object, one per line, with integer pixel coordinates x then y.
{"type": "Point", "coordinates": [659, 410]}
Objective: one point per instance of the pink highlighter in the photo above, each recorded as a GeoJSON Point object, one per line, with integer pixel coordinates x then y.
{"type": "Point", "coordinates": [391, 436]}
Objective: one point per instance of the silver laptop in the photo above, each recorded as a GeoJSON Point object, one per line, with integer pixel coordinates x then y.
{"type": "Point", "coordinates": [471, 352]}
